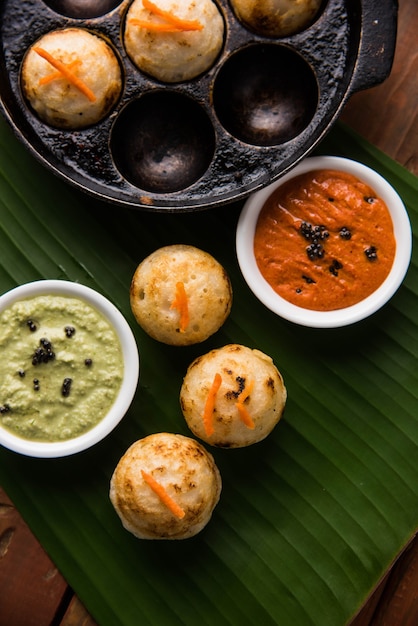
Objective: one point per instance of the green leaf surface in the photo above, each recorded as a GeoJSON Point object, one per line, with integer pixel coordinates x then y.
{"type": "Point", "coordinates": [311, 518]}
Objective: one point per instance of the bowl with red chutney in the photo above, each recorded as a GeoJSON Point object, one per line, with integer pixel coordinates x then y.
{"type": "Point", "coordinates": [327, 245]}
{"type": "Point", "coordinates": [69, 368]}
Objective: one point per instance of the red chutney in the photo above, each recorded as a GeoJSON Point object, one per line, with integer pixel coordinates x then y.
{"type": "Point", "coordinates": [324, 241]}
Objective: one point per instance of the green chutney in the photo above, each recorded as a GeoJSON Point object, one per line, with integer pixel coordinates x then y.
{"type": "Point", "coordinates": [61, 367]}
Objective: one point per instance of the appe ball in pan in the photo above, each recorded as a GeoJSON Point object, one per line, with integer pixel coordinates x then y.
{"type": "Point", "coordinates": [232, 396]}
{"type": "Point", "coordinates": [276, 18]}
{"type": "Point", "coordinates": [71, 78]}
{"type": "Point", "coordinates": [180, 295]}
{"type": "Point", "coordinates": [165, 486]}
{"type": "Point", "coordinates": [173, 40]}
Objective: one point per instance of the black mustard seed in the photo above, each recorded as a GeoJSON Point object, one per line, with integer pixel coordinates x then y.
{"type": "Point", "coordinates": [345, 233]}
{"type": "Point", "coordinates": [31, 325]}
{"type": "Point", "coordinates": [44, 353]}
{"type": "Point", "coordinates": [371, 253]}
{"type": "Point", "coordinates": [315, 251]}
{"type": "Point", "coordinates": [334, 267]}
{"type": "Point", "coordinates": [66, 387]}
{"type": "Point", "coordinates": [69, 331]}
{"type": "Point", "coordinates": [241, 386]}
{"type": "Point", "coordinates": [313, 233]}
{"type": "Point", "coordinates": [308, 279]}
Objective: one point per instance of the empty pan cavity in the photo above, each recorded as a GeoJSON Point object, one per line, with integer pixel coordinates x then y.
{"type": "Point", "coordinates": [82, 9]}
{"type": "Point", "coordinates": [162, 142]}
{"type": "Point", "coordinates": [265, 94]}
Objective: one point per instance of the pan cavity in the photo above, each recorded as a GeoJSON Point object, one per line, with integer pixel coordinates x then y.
{"type": "Point", "coordinates": [162, 142]}
{"type": "Point", "coordinates": [82, 9]}
{"type": "Point", "coordinates": [265, 94]}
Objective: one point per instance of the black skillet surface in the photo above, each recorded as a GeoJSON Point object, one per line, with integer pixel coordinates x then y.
{"type": "Point", "coordinates": [198, 143]}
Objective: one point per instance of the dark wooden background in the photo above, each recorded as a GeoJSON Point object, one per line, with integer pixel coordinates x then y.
{"type": "Point", "coordinates": [32, 590]}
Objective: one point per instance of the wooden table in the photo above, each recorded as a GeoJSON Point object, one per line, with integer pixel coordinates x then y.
{"type": "Point", "coordinates": [33, 592]}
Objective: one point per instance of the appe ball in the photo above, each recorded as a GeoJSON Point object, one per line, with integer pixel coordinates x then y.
{"type": "Point", "coordinates": [172, 52]}
{"type": "Point", "coordinates": [232, 396]}
{"type": "Point", "coordinates": [165, 486]}
{"type": "Point", "coordinates": [94, 87]}
{"type": "Point", "coordinates": [276, 18]}
{"type": "Point", "coordinates": [180, 295]}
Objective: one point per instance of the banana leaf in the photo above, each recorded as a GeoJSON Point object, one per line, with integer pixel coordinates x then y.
{"type": "Point", "coordinates": [309, 519]}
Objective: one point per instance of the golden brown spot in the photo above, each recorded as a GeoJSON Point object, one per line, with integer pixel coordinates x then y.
{"type": "Point", "coordinates": [270, 383]}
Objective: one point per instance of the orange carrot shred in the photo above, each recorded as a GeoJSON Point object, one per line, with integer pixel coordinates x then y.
{"type": "Point", "coordinates": [55, 75]}
{"type": "Point", "coordinates": [172, 19]}
{"type": "Point", "coordinates": [163, 495]}
{"type": "Point", "coordinates": [242, 409]}
{"type": "Point", "coordinates": [210, 405]}
{"type": "Point", "coordinates": [180, 303]}
{"type": "Point", "coordinates": [69, 75]}
{"type": "Point", "coordinates": [158, 27]}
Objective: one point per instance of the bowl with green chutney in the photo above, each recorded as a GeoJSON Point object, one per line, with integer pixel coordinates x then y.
{"type": "Point", "coordinates": [69, 371]}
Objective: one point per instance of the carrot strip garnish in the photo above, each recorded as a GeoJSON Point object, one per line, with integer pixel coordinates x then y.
{"type": "Point", "coordinates": [242, 410]}
{"type": "Point", "coordinates": [210, 405]}
{"type": "Point", "coordinates": [163, 495]}
{"type": "Point", "coordinates": [69, 75]}
{"type": "Point", "coordinates": [180, 303]}
{"type": "Point", "coordinates": [56, 75]}
{"type": "Point", "coordinates": [158, 27]}
{"type": "Point", "coordinates": [173, 19]}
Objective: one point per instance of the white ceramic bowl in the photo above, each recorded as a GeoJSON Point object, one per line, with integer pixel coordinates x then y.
{"type": "Point", "coordinates": [129, 382]}
{"type": "Point", "coordinates": [341, 317]}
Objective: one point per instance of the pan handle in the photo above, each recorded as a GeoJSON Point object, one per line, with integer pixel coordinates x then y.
{"type": "Point", "coordinates": [377, 43]}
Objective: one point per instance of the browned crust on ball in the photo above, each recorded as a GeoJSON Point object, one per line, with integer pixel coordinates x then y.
{"type": "Point", "coordinates": [189, 475]}
{"type": "Point", "coordinates": [240, 368]}
{"type": "Point", "coordinates": [208, 288]}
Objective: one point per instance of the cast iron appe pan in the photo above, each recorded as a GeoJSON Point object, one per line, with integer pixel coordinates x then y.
{"type": "Point", "coordinates": [200, 144]}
